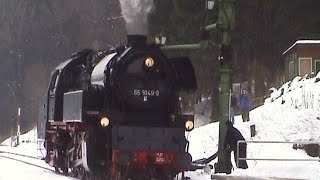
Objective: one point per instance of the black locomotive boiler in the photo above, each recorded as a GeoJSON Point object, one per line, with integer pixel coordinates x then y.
{"type": "Point", "coordinates": [115, 114]}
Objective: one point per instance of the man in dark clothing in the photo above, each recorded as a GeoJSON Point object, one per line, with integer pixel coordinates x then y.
{"type": "Point", "coordinates": [232, 137]}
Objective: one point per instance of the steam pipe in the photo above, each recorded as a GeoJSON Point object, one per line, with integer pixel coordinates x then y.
{"type": "Point", "coordinates": [202, 45]}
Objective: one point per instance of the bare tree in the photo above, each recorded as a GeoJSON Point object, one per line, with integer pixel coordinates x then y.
{"type": "Point", "coordinates": [16, 17]}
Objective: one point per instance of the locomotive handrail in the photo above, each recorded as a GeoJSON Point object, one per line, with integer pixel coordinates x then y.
{"type": "Point", "coordinates": [276, 159]}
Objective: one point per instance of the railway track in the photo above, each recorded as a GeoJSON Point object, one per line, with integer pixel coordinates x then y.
{"type": "Point", "coordinates": [26, 159]}
{"type": "Point", "coordinates": [235, 177]}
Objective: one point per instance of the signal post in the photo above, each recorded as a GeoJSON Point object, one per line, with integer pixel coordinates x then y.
{"type": "Point", "coordinates": [18, 125]}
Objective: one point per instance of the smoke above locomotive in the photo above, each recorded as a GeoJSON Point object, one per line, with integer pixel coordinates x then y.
{"type": "Point", "coordinates": [135, 13]}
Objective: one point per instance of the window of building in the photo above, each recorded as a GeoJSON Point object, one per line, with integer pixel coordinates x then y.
{"type": "Point", "coordinates": [305, 66]}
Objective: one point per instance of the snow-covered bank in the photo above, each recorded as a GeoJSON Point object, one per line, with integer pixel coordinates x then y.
{"type": "Point", "coordinates": [293, 116]}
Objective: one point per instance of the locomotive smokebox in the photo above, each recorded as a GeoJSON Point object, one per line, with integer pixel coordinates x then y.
{"type": "Point", "coordinates": [137, 40]}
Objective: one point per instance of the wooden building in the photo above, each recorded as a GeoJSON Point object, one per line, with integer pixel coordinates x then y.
{"type": "Point", "coordinates": [302, 58]}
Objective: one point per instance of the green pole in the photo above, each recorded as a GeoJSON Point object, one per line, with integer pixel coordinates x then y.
{"type": "Point", "coordinates": [226, 25]}
{"type": "Point", "coordinates": [224, 156]}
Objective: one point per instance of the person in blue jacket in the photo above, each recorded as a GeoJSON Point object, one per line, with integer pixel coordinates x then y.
{"type": "Point", "coordinates": [245, 102]}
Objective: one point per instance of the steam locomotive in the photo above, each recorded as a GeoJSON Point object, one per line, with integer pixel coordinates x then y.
{"type": "Point", "coordinates": [115, 114]}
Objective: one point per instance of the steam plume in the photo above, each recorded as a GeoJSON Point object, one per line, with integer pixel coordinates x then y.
{"type": "Point", "coordinates": [135, 13]}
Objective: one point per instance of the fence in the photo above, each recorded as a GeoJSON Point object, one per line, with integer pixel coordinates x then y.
{"type": "Point", "coordinates": [277, 159]}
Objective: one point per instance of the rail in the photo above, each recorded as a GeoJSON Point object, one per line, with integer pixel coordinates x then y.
{"type": "Point", "coordinates": [276, 159]}
{"type": "Point", "coordinates": [258, 101]}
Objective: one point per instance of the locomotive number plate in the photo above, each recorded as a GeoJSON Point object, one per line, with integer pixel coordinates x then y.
{"type": "Point", "coordinates": [146, 92]}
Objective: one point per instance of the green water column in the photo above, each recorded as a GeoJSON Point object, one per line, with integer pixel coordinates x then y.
{"type": "Point", "coordinates": [226, 25]}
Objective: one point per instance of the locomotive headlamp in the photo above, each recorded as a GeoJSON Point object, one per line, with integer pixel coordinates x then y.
{"type": "Point", "coordinates": [149, 62]}
{"type": "Point", "coordinates": [189, 125]}
{"type": "Point", "coordinates": [104, 122]}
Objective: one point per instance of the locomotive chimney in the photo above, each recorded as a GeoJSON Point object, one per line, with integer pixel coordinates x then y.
{"type": "Point", "coordinates": [137, 40]}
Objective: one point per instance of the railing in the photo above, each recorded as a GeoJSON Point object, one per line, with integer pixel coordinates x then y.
{"type": "Point", "coordinates": [276, 159]}
{"type": "Point", "coordinates": [258, 101]}
{"type": "Point", "coordinates": [255, 102]}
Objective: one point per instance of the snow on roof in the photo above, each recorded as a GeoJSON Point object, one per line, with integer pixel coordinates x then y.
{"type": "Point", "coordinates": [302, 42]}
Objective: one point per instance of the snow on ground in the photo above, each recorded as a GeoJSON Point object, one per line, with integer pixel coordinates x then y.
{"type": "Point", "coordinates": [31, 146]}
{"type": "Point", "coordinates": [12, 170]}
{"type": "Point", "coordinates": [293, 116]}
